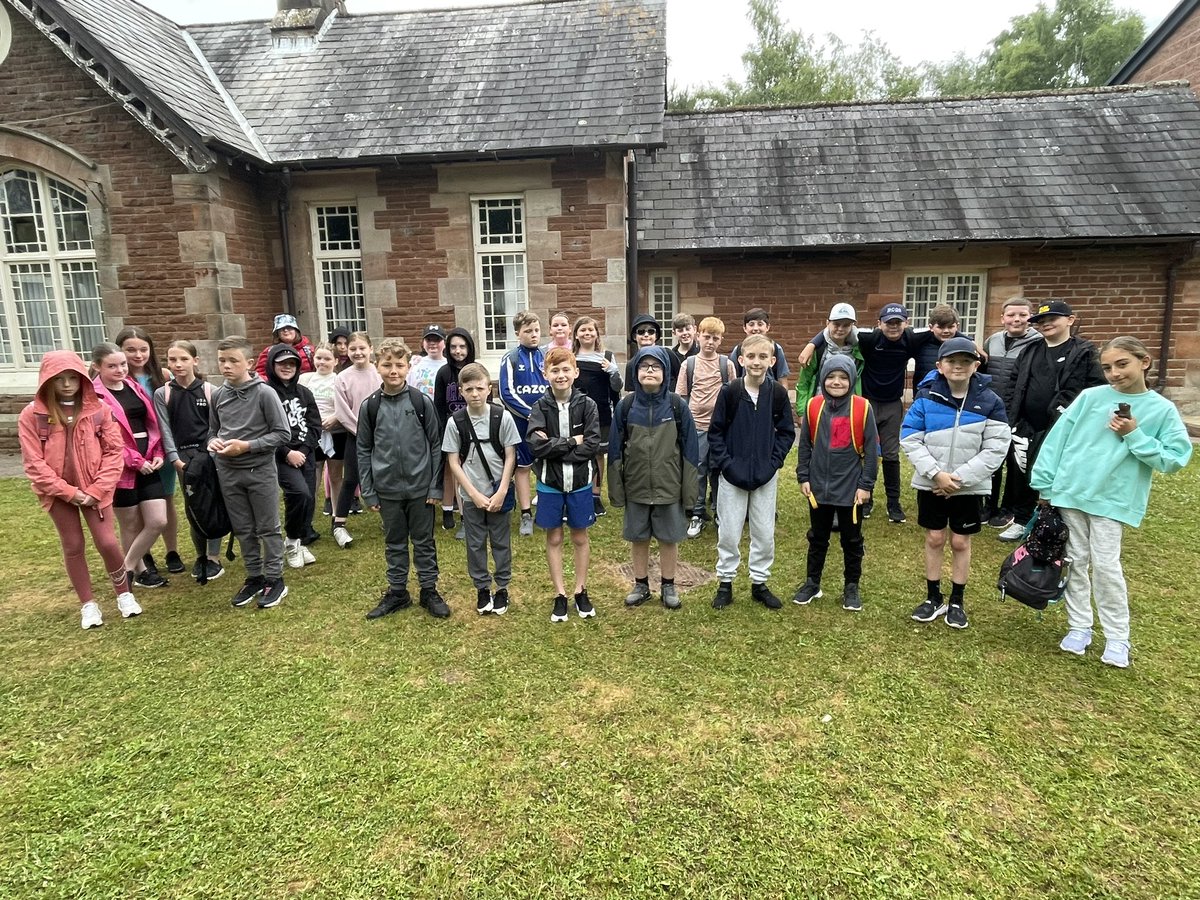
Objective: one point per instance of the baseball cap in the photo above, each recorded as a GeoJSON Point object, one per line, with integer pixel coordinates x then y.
{"type": "Point", "coordinates": [285, 320]}
{"type": "Point", "coordinates": [893, 311]}
{"type": "Point", "coordinates": [842, 311]}
{"type": "Point", "coordinates": [285, 354]}
{"type": "Point", "coordinates": [958, 345]}
{"type": "Point", "coordinates": [1051, 308]}
{"type": "Point", "coordinates": [434, 331]}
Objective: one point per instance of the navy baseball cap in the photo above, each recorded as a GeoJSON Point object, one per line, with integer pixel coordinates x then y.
{"type": "Point", "coordinates": [958, 346]}
{"type": "Point", "coordinates": [893, 311]}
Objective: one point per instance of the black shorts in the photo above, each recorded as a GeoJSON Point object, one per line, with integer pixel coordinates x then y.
{"type": "Point", "coordinates": [147, 487]}
{"type": "Point", "coordinates": [339, 444]}
{"type": "Point", "coordinates": [962, 512]}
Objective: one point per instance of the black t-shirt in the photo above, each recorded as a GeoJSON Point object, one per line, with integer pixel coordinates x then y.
{"type": "Point", "coordinates": [1045, 375]}
{"type": "Point", "coordinates": [135, 414]}
{"type": "Point", "coordinates": [885, 363]}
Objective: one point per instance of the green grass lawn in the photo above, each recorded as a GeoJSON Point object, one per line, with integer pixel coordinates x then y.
{"type": "Point", "coordinates": [205, 751]}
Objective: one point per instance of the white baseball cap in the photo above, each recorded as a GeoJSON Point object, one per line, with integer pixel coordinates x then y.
{"type": "Point", "coordinates": [842, 311]}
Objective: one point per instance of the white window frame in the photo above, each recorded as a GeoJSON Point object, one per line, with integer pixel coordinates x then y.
{"type": "Point", "coordinates": [663, 301]}
{"type": "Point", "coordinates": [965, 290]}
{"type": "Point", "coordinates": [347, 257]}
{"type": "Point", "coordinates": [76, 323]}
{"type": "Point", "coordinates": [512, 245]}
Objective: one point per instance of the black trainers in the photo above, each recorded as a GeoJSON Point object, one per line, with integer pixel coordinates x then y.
{"type": "Point", "coordinates": [390, 601]}
{"type": "Point", "coordinates": [851, 598]}
{"type": "Point", "coordinates": [327, 509]}
{"type": "Point", "coordinates": [251, 589]}
{"type": "Point", "coordinates": [174, 564]}
{"type": "Point", "coordinates": [560, 609]}
{"type": "Point", "coordinates": [598, 507]}
{"type": "Point", "coordinates": [583, 606]}
{"type": "Point", "coordinates": [447, 520]}
{"type": "Point", "coordinates": [807, 593]}
{"type": "Point", "coordinates": [896, 514]}
{"type": "Point", "coordinates": [433, 603]}
{"type": "Point", "coordinates": [866, 509]}
{"type": "Point", "coordinates": [956, 616]}
{"type": "Point", "coordinates": [272, 593]}
{"type": "Point", "coordinates": [356, 507]}
{"type": "Point", "coordinates": [929, 610]}
{"type": "Point", "coordinates": [150, 579]}
{"type": "Point", "coordinates": [149, 563]}
{"type": "Point", "coordinates": [724, 595]}
{"type": "Point", "coordinates": [483, 601]}
{"type": "Point", "coordinates": [205, 572]}
{"type": "Point", "coordinates": [760, 593]}
{"type": "Point", "coordinates": [500, 601]}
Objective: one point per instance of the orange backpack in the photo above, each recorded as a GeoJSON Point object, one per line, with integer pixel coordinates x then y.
{"type": "Point", "coordinates": [858, 418]}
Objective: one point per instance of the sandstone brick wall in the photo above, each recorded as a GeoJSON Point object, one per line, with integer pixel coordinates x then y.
{"type": "Point", "coordinates": [1177, 58]}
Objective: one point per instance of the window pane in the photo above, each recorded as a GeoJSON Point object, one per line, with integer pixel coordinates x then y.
{"type": "Point", "coordinates": [337, 228]}
{"type": "Point", "coordinates": [85, 316]}
{"type": "Point", "coordinates": [501, 222]}
{"type": "Point", "coordinates": [70, 217]}
{"type": "Point", "coordinates": [21, 212]}
{"type": "Point", "coordinates": [504, 294]}
{"type": "Point", "coordinates": [342, 288]}
{"type": "Point", "coordinates": [965, 294]}
{"type": "Point", "coordinates": [921, 294]}
{"type": "Point", "coordinates": [662, 304]}
{"type": "Point", "coordinates": [37, 318]}
{"type": "Point", "coordinates": [7, 329]}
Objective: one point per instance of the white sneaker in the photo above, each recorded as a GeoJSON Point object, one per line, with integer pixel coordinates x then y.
{"type": "Point", "coordinates": [1077, 641]}
{"type": "Point", "coordinates": [1013, 532]}
{"type": "Point", "coordinates": [309, 559]}
{"type": "Point", "coordinates": [1116, 653]}
{"type": "Point", "coordinates": [342, 537]}
{"type": "Point", "coordinates": [89, 615]}
{"type": "Point", "coordinates": [695, 527]}
{"type": "Point", "coordinates": [128, 605]}
{"type": "Point", "coordinates": [292, 554]}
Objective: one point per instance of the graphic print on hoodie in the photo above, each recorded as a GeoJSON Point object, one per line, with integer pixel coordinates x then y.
{"type": "Point", "coordinates": [299, 406]}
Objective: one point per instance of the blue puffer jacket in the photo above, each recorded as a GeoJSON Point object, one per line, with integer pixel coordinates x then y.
{"type": "Point", "coordinates": [969, 440]}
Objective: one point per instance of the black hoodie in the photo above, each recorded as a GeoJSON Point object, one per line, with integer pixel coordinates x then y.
{"type": "Point", "coordinates": [299, 406]}
{"type": "Point", "coordinates": [446, 398]}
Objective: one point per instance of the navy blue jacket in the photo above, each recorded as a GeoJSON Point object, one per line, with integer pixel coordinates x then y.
{"type": "Point", "coordinates": [747, 444]}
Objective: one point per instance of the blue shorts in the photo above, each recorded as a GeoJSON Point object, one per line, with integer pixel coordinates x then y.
{"type": "Point", "coordinates": [580, 510]}
{"type": "Point", "coordinates": [524, 454]}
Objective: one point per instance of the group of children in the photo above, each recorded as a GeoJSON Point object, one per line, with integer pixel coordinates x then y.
{"type": "Point", "coordinates": [718, 438]}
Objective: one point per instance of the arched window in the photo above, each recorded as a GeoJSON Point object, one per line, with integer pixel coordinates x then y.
{"type": "Point", "coordinates": [49, 283]}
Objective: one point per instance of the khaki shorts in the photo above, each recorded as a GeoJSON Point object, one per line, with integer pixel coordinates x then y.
{"type": "Point", "coordinates": [664, 521]}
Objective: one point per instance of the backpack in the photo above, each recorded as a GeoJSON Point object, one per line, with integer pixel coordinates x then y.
{"type": "Point", "coordinates": [1047, 538]}
{"type": "Point", "coordinates": [167, 393]}
{"type": "Point", "coordinates": [42, 421]}
{"type": "Point", "coordinates": [467, 437]}
{"type": "Point", "coordinates": [205, 506]}
{"type": "Point", "coordinates": [779, 400]}
{"type": "Point", "coordinates": [1036, 572]}
{"type": "Point", "coordinates": [859, 407]}
{"type": "Point", "coordinates": [372, 404]}
{"type": "Point", "coordinates": [723, 364]}
{"type": "Point", "coordinates": [622, 415]}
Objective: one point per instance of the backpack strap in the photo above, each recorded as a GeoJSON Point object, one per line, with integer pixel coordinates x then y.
{"type": "Point", "coordinates": [858, 422]}
{"type": "Point", "coordinates": [495, 420]}
{"type": "Point", "coordinates": [690, 363]}
{"type": "Point", "coordinates": [726, 367]}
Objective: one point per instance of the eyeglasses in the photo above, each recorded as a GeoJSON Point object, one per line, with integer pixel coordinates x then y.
{"type": "Point", "coordinates": [642, 332]}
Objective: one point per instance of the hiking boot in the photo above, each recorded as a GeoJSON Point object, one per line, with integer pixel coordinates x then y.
{"type": "Point", "coordinates": [483, 601]}
{"type": "Point", "coordinates": [390, 601]}
{"type": "Point", "coordinates": [695, 526]}
{"type": "Point", "coordinates": [1116, 653]}
{"type": "Point", "coordinates": [526, 528]}
{"type": "Point", "coordinates": [583, 605]}
{"type": "Point", "coordinates": [1000, 520]}
{"type": "Point", "coordinates": [128, 605]}
{"type": "Point", "coordinates": [1077, 641]}
{"type": "Point", "coordinates": [639, 595]}
{"type": "Point", "coordinates": [150, 579]}
{"type": "Point", "coordinates": [760, 593]}
{"type": "Point", "coordinates": [598, 507]}
{"type": "Point", "coordinates": [272, 594]}
{"type": "Point", "coordinates": [1013, 532]}
{"type": "Point", "coordinates": [896, 514]}
{"type": "Point", "coordinates": [89, 615]}
{"type": "Point", "coordinates": [342, 537]}
{"type": "Point", "coordinates": [447, 520]}
{"type": "Point", "coordinates": [724, 595]}
{"type": "Point", "coordinates": [292, 554]}
{"type": "Point", "coordinates": [929, 610]}
{"type": "Point", "coordinates": [500, 601]}
{"type": "Point", "coordinates": [251, 589]}
{"type": "Point", "coordinates": [559, 613]}
{"type": "Point", "coordinates": [807, 593]}
{"type": "Point", "coordinates": [174, 564]}
{"type": "Point", "coordinates": [956, 616]}
{"type": "Point", "coordinates": [670, 597]}
{"type": "Point", "coordinates": [433, 603]}
{"type": "Point", "coordinates": [851, 598]}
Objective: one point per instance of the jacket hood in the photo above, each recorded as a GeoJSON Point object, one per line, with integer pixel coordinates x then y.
{"type": "Point", "coordinates": [837, 362]}
{"type": "Point", "coordinates": [659, 354]}
{"type": "Point", "coordinates": [272, 355]}
{"type": "Point", "coordinates": [241, 389]}
{"type": "Point", "coordinates": [641, 320]}
{"type": "Point", "coordinates": [337, 333]}
{"type": "Point", "coordinates": [466, 336]}
{"type": "Point", "coordinates": [55, 363]}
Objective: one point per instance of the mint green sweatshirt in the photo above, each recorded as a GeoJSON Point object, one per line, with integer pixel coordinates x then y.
{"type": "Point", "coordinates": [1083, 465]}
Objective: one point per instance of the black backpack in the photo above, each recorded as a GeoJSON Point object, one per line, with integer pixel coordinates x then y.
{"type": "Point", "coordinates": [1036, 572]}
{"type": "Point", "coordinates": [204, 505]}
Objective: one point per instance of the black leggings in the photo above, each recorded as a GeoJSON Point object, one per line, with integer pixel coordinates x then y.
{"type": "Point", "coordinates": [345, 497]}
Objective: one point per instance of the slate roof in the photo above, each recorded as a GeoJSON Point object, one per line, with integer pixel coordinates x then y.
{"type": "Point", "coordinates": [462, 82]}
{"type": "Point", "coordinates": [1105, 163]}
{"type": "Point", "coordinates": [156, 52]}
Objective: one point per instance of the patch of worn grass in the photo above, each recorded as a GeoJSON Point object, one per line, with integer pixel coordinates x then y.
{"type": "Point", "coordinates": [205, 751]}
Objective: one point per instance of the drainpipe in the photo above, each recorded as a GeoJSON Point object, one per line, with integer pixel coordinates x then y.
{"type": "Point", "coordinates": [285, 204]}
{"type": "Point", "coordinates": [631, 242]}
{"type": "Point", "coordinates": [1169, 314]}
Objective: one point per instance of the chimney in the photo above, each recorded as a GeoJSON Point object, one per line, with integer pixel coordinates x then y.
{"type": "Point", "coordinates": [298, 24]}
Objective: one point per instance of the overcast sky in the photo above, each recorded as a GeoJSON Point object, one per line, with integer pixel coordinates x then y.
{"type": "Point", "coordinates": [706, 38]}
